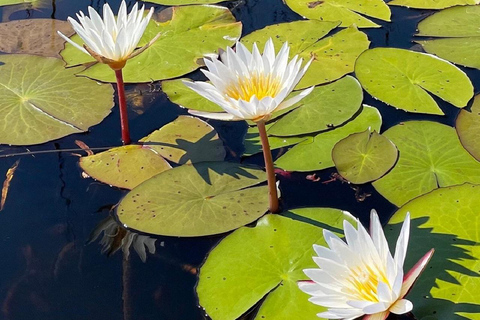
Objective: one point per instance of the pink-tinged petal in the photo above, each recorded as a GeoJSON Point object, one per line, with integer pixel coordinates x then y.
{"type": "Point", "coordinates": [377, 316]}
{"type": "Point", "coordinates": [215, 115]}
{"type": "Point", "coordinates": [401, 306]}
{"type": "Point", "coordinates": [412, 275]}
{"type": "Point", "coordinates": [402, 242]}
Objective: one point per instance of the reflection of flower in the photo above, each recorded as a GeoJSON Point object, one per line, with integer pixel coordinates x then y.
{"type": "Point", "coordinates": [360, 277]}
{"type": "Point", "coordinates": [251, 86]}
{"type": "Point", "coordinates": [111, 41]}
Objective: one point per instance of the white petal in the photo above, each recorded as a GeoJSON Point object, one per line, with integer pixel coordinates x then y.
{"type": "Point", "coordinates": [402, 242]}
{"type": "Point", "coordinates": [215, 115]}
{"type": "Point", "coordinates": [73, 43]}
{"type": "Point", "coordinates": [401, 306]}
{"type": "Point", "coordinates": [376, 307]}
{"type": "Point", "coordinates": [290, 102]}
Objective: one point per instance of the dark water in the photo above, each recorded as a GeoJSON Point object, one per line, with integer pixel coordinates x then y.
{"type": "Point", "coordinates": [48, 272]}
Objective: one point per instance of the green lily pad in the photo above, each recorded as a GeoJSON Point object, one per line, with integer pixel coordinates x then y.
{"type": "Point", "coordinates": [363, 157]}
{"type": "Point", "coordinates": [124, 167]}
{"type": "Point", "coordinates": [468, 128]}
{"type": "Point", "coordinates": [326, 107]}
{"type": "Point", "coordinates": [266, 260]}
{"type": "Point", "coordinates": [446, 219]}
{"type": "Point", "coordinates": [196, 200]}
{"type": "Point", "coordinates": [43, 101]}
{"type": "Point", "coordinates": [10, 2]}
{"type": "Point", "coordinates": [184, 2]}
{"type": "Point", "coordinates": [316, 153]}
{"type": "Point", "coordinates": [188, 34]}
{"type": "Point", "coordinates": [186, 140]}
{"type": "Point", "coordinates": [333, 56]}
{"type": "Point", "coordinates": [431, 4]}
{"type": "Point", "coordinates": [431, 156]}
{"type": "Point", "coordinates": [185, 97]}
{"type": "Point", "coordinates": [459, 29]}
{"type": "Point", "coordinates": [401, 78]}
{"type": "Point", "coordinates": [349, 12]}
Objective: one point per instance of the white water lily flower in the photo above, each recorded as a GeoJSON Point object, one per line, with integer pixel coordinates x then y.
{"type": "Point", "coordinates": [360, 277]}
{"type": "Point", "coordinates": [249, 85]}
{"type": "Point", "coordinates": [111, 41]}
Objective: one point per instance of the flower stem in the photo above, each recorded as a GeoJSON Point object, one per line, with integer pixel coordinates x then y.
{"type": "Point", "coordinates": [123, 107]}
{"type": "Point", "coordinates": [267, 156]}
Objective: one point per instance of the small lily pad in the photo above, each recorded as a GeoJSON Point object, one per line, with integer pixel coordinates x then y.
{"type": "Point", "coordinates": [459, 29]}
{"type": "Point", "coordinates": [349, 12]}
{"type": "Point", "coordinates": [124, 167]}
{"type": "Point", "coordinates": [263, 264]}
{"type": "Point", "coordinates": [43, 101]}
{"type": "Point", "coordinates": [326, 107]}
{"type": "Point", "coordinates": [401, 78]}
{"type": "Point", "coordinates": [431, 156]}
{"type": "Point", "coordinates": [363, 157]}
{"type": "Point", "coordinates": [185, 97]}
{"type": "Point", "coordinates": [468, 128]}
{"type": "Point", "coordinates": [186, 140]}
{"type": "Point", "coordinates": [333, 56]}
{"type": "Point", "coordinates": [316, 152]}
{"type": "Point", "coordinates": [188, 34]}
{"type": "Point", "coordinates": [34, 36]}
{"type": "Point", "coordinates": [431, 4]}
{"type": "Point", "coordinates": [196, 200]}
{"type": "Point", "coordinates": [447, 220]}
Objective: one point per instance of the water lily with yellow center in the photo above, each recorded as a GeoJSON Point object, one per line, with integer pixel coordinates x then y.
{"type": "Point", "coordinates": [249, 85]}
{"type": "Point", "coordinates": [360, 277]}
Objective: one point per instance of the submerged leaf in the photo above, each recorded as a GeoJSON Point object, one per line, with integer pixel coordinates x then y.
{"type": "Point", "coordinates": [401, 78]}
{"type": "Point", "coordinates": [364, 157]}
{"type": "Point", "coordinates": [431, 156]}
{"type": "Point", "coordinates": [468, 128]}
{"type": "Point", "coordinates": [43, 101]}
{"type": "Point", "coordinates": [446, 219]}
{"type": "Point", "coordinates": [188, 34]}
{"type": "Point", "coordinates": [316, 152]}
{"type": "Point", "coordinates": [263, 264]}
{"type": "Point", "coordinates": [196, 200]}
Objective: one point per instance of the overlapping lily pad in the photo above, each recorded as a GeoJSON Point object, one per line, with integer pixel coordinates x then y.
{"type": "Point", "coordinates": [446, 219]}
{"type": "Point", "coordinates": [349, 12]}
{"type": "Point", "coordinates": [196, 200]}
{"type": "Point", "coordinates": [34, 36]}
{"type": "Point", "coordinates": [316, 153]}
{"type": "Point", "coordinates": [333, 56]}
{"type": "Point", "coordinates": [431, 156]}
{"type": "Point", "coordinates": [326, 107]}
{"type": "Point", "coordinates": [468, 128]}
{"type": "Point", "coordinates": [188, 34]}
{"type": "Point", "coordinates": [186, 140]}
{"type": "Point", "coordinates": [431, 4]}
{"type": "Point", "coordinates": [459, 30]}
{"type": "Point", "coordinates": [268, 261]}
{"type": "Point", "coordinates": [185, 97]}
{"type": "Point", "coordinates": [363, 157]}
{"type": "Point", "coordinates": [401, 78]}
{"type": "Point", "coordinates": [43, 101]}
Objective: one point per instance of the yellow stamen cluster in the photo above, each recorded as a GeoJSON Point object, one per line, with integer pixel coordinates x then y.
{"type": "Point", "coordinates": [365, 283]}
{"type": "Point", "coordinates": [260, 85]}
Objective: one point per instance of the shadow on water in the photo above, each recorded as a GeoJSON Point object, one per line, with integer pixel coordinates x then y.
{"type": "Point", "coordinates": [448, 249]}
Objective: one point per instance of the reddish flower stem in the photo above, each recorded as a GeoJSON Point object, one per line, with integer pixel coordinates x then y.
{"type": "Point", "coordinates": [267, 156]}
{"type": "Point", "coordinates": [123, 107]}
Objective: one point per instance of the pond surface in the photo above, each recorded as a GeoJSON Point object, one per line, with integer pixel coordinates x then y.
{"type": "Point", "coordinates": [47, 269]}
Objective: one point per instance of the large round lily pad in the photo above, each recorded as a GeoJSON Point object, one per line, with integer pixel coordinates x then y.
{"type": "Point", "coordinates": [459, 28]}
{"type": "Point", "coordinates": [263, 264]}
{"type": "Point", "coordinates": [196, 200]}
{"type": "Point", "coordinates": [431, 4]}
{"type": "Point", "coordinates": [431, 156]}
{"type": "Point", "coordinates": [326, 107]}
{"type": "Point", "coordinates": [349, 12]}
{"type": "Point", "coordinates": [186, 140]}
{"type": "Point", "coordinates": [188, 34]}
{"type": "Point", "coordinates": [401, 78]}
{"type": "Point", "coordinates": [363, 157]}
{"type": "Point", "coordinates": [446, 219]}
{"type": "Point", "coordinates": [124, 167]}
{"type": "Point", "coordinates": [468, 128]}
{"type": "Point", "coordinates": [42, 101]}
{"type": "Point", "coordinates": [34, 36]}
{"type": "Point", "coordinates": [333, 56]}
{"type": "Point", "coordinates": [316, 153]}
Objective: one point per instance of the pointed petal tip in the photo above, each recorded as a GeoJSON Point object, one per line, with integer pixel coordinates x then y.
{"type": "Point", "coordinates": [412, 275]}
